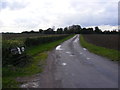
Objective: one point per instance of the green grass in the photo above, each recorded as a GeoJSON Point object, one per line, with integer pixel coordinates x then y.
{"type": "Point", "coordinates": [38, 54]}
{"type": "Point", "coordinates": [10, 73]}
{"type": "Point", "coordinates": [109, 53]}
{"type": "Point", "coordinates": [45, 47]}
{"type": "Point", "coordinates": [9, 82]}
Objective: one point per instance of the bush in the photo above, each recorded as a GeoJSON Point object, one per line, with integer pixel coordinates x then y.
{"type": "Point", "coordinates": [13, 58]}
{"type": "Point", "coordinates": [42, 40]}
{"type": "Point", "coordinates": [20, 59]}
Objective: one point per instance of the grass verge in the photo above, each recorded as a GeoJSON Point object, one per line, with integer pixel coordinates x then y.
{"type": "Point", "coordinates": [109, 53]}
{"type": "Point", "coordinates": [38, 54]}
{"type": "Point", "coordinates": [45, 47]}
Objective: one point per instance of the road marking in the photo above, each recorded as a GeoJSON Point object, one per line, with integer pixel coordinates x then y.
{"type": "Point", "coordinates": [84, 49]}
{"type": "Point", "coordinates": [23, 86]}
{"type": "Point", "coordinates": [71, 55]}
{"type": "Point", "coordinates": [88, 58]}
{"type": "Point", "coordinates": [68, 52]}
{"type": "Point", "coordinates": [80, 53]}
{"type": "Point", "coordinates": [76, 40]}
{"type": "Point", "coordinates": [64, 64]}
{"type": "Point", "coordinates": [31, 84]}
{"type": "Point", "coordinates": [59, 47]}
{"type": "Point", "coordinates": [35, 85]}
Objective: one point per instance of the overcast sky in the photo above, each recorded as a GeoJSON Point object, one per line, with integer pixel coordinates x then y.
{"type": "Point", "coordinates": [22, 15]}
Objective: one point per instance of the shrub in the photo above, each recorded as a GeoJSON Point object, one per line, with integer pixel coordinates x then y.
{"type": "Point", "coordinates": [13, 58]}
{"type": "Point", "coordinates": [41, 40]}
{"type": "Point", "coordinates": [10, 49]}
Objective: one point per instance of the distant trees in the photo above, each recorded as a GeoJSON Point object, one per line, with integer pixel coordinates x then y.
{"type": "Point", "coordinates": [65, 30]}
{"type": "Point", "coordinates": [106, 32]}
{"type": "Point", "coordinates": [32, 31]}
{"type": "Point", "coordinates": [114, 32]}
{"type": "Point", "coordinates": [74, 29]}
{"type": "Point", "coordinates": [49, 31]}
{"type": "Point", "coordinates": [110, 32]}
{"type": "Point", "coordinates": [60, 31]}
{"type": "Point", "coordinates": [97, 30]}
{"type": "Point", "coordinates": [87, 31]}
{"type": "Point", "coordinates": [41, 31]}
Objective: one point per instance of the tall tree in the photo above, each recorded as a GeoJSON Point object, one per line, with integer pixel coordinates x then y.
{"type": "Point", "coordinates": [97, 30]}
{"type": "Point", "coordinates": [65, 30]}
{"type": "Point", "coordinates": [59, 31]}
{"type": "Point", "coordinates": [40, 31]}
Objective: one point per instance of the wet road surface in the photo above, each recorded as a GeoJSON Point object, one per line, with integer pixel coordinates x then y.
{"type": "Point", "coordinates": [72, 66]}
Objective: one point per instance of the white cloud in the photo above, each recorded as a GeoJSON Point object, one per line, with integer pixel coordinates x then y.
{"type": "Point", "coordinates": [20, 15]}
{"type": "Point", "coordinates": [108, 27]}
{"type": "Point", "coordinates": [105, 27]}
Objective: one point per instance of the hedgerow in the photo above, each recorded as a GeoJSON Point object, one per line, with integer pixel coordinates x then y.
{"type": "Point", "coordinates": [10, 49]}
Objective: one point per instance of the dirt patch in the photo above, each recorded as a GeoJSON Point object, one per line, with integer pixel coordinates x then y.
{"type": "Point", "coordinates": [44, 79]}
{"type": "Point", "coordinates": [108, 41]}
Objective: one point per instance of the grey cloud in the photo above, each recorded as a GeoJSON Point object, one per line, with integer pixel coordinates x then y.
{"type": "Point", "coordinates": [12, 5]}
{"type": "Point", "coordinates": [28, 23]}
{"type": "Point", "coordinates": [3, 5]}
{"type": "Point", "coordinates": [107, 17]}
{"type": "Point", "coordinates": [90, 20]}
{"type": "Point", "coordinates": [47, 13]}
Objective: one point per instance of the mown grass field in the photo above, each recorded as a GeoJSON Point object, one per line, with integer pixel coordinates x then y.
{"type": "Point", "coordinates": [104, 45]}
{"type": "Point", "coordinates": [38, 54]}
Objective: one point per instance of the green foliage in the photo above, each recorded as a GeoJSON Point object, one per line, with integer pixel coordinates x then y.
{"type": "Point", "coordinates": [59, 31]}
{"type": "Point", "coordinates": [9, 83]}
{"type": "Point", "coordinates": [22, 59]}
{"type": "Point", "coordinates": [42, 40]}
{"type": "Point", "coordinates": [45, 47]}
{"type": "Point", "coordinates": [109, 53]}
{"type": "Point", "coordinates": [11, 72]}
{"type": "Point", "coordinates": [9, 58]}
{"type": "Point", "coordinates": [97, 30]}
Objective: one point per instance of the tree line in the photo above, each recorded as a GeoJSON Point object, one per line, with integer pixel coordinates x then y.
{"type": "Point", "coordinates": [74, 29]}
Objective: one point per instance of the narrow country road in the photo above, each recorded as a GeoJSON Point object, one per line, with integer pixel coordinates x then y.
{"type": "Point", "coordinates": [72, 66]}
